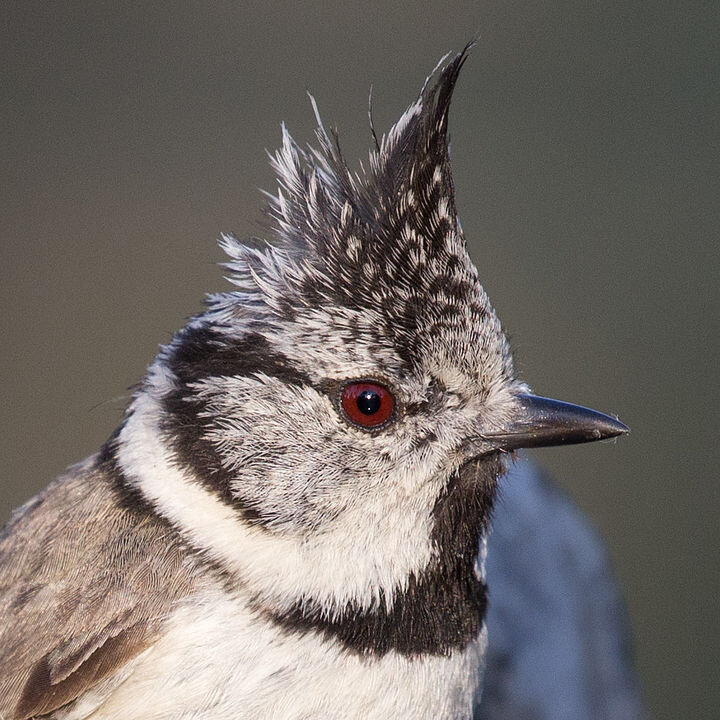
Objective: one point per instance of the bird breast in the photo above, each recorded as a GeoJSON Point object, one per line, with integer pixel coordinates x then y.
{"type": "Point", "coordinates": [218, 660]}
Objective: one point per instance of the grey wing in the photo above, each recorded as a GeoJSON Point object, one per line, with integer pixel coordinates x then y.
{"type": "Point", "coordinates": [558, 643]}
{"type": "Point", "coordinates": [85, 585]}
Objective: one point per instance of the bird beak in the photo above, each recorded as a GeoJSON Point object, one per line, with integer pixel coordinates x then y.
{"type": "Point", "coordinates": [540, 421]}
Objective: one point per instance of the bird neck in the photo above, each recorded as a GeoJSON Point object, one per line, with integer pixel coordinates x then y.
{"type": "Point", "coordinates": [440, 608]}
{"type": "Point", "coordinates": [427, 599]}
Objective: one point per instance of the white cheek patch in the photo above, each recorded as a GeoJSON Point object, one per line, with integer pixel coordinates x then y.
{"type": "Point", "coordinates": [362, 554]}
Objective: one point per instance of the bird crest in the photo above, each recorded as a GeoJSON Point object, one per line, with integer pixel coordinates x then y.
{"type": "Point", "coordinates": [381, 246]}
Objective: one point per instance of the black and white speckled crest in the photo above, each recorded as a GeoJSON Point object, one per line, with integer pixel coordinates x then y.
{"type": "Point", "coordinates": [384, 242]}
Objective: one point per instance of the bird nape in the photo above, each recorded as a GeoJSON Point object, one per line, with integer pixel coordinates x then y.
{"type": "Point", "coordinates": [289, 521]}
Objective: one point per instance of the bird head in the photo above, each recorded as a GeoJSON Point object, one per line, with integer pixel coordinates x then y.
{"type": "Point", "coordinates": [352, 402]}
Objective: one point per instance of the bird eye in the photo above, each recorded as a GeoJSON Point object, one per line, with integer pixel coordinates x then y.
{"type": "Point", "coordinates": [367, 404]}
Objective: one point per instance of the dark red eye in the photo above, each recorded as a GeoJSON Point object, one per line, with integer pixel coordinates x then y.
{"type": "Point", "coordinates": [367, 404]}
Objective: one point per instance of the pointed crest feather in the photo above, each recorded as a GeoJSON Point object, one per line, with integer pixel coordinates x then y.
{"type": "Point", "coordinates": [383, 241]}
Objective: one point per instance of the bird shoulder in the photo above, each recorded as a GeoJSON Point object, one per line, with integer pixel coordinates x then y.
{"type": "Point", "coordinates": [88, 577]}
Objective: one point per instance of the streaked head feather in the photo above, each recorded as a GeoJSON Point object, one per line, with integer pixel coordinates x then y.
{"type": "Point", "coordinates": [384, 243]}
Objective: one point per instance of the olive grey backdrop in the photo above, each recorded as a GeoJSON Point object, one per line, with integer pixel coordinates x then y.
{"type": "Point", "coordinates": [584, 140]}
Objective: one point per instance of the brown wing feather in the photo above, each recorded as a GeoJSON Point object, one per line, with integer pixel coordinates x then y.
{"type": "Point", "coordinates": [86, 582]}
{"type": "Point", "coordinates": [41, 695]}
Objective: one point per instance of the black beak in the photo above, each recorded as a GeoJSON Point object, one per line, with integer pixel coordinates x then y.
{"type": "Point", "coordinates": [541, 422]}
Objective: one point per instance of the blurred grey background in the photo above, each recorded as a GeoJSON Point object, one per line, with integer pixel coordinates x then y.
{"type": "Point", "coordinates": [585, 148]}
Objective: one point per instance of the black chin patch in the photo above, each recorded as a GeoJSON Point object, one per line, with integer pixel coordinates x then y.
{"type": "Point", "coordinates": [443, 608]}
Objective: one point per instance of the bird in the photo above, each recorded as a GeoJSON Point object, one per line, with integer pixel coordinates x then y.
{"type": "Point", "coordinates": [291, 519]}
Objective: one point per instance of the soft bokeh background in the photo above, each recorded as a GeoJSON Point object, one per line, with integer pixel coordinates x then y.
{"type": "Point", "coordinates": [585, 139]}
